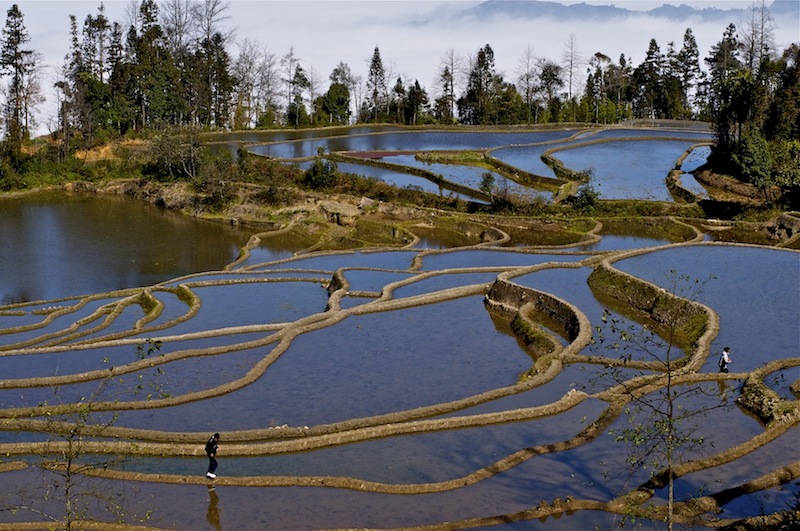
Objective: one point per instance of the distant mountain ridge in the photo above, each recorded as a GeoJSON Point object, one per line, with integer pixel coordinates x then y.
{"type": "Point", "coordinates": [543, 9]}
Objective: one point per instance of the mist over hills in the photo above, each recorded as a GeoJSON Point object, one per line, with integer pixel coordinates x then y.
{"type": "Point", "coordinates": [531, 9]}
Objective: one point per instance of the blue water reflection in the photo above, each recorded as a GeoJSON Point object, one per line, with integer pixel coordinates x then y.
{"type": "Point", "coordinates": [627, 170]}
{"type": "Point", "coordinates": [759, 320]}
{"type": "Point", "coordinates": [398, 179]}
{"type": "Point", "coordinates": [470, 176]}
{"type": "Point", "coordinates": [526, 158]}
{"type": "Point", "coordinates": [386, 357]}
{"type": "Point", "coordinates": [407, 141]}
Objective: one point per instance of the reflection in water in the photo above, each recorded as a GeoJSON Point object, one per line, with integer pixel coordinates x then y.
{"type": "Point", "coordinates": [398, 179]}
{"type": "Point", "coordinates": [388, 358]}
{"type": "Point", "coordinates": [621, 172]}
{"type": "Point", "coordinates": [469, 176]}
{"type": "Point", "coordinates": [408, 141]}
{"type": "Point", "coordinates": [213, 511]}
{"type": "Point", "coordinates": [723, 390]}
{"type": "Point", "coordinates": [394, 360]}
{"type": "Point", "coordinates": [56, 245]}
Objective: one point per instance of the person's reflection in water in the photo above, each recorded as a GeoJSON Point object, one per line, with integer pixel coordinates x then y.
{"type": "Point", "coordinates": [213, 511]}
{"type": "Point", "coordinates": [723, 390]}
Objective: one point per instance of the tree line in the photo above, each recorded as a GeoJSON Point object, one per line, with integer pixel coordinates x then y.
{"type": "Point", "coordinates": [169, 65]}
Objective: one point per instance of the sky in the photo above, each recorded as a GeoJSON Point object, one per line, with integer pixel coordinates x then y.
{"type": "Point", "coordinates": [413, 35]}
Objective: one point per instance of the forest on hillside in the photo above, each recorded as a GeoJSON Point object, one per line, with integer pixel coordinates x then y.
{"type": "Point", "coordinates": [170, 67]}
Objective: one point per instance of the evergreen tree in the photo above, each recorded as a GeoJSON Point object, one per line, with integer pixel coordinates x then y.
{"type": "Point", "coordinates": [687, 68]}
{"type": "Point", "coordinates": [648, 87]}
{"type": "Point", "coordinates": [607, 92]}
{"type": "Point", "coordinates": [416, 103]}
{"type": "Point", "coordinates": [376, 85]}
{"type": "Point", "coordinates": [336, 102]}
{"type": "Point", "coordinates": [444, 103]}
{"type": "Point", "coordinates": [213, 82]}
{"type": "Point", "coordinates": [90, 65]}
{"type": "Point", "coordinates": [509, 107]}
{"type": "Point", "coordinates": [122, 110]}
{"type": "Point", "coordinates": [783, 118]}
{"type": "Point", "coordinates": [597, 85]}
{"type": "Point", "coordinates": [153, 80]}
{"type": "Point", "coordinates": [296, 113]}
{"type": "Point", "coordinates": [397, 106]}
{"type": "Point", "coordinates": [672, 95]}
{"type": "Point", "coordinates": [551, 85]}
{"type": "Point", "coordinates": [476, 105]}
{"type": "Point", "coordinates": [723, 64]}
{"type": "Point", "coordinates": [17, 62]}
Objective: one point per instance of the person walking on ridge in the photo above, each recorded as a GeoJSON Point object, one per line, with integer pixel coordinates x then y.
{"type": "Point", "coordinates": [725, 359]}
{"type": "Point", "coordinates": [211, 452]}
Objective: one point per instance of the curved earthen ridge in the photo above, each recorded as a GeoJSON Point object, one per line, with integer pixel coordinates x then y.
{"type": "Point", "coordinates": [503, 296]}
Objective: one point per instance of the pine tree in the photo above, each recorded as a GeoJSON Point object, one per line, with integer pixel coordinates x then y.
{"type": "Point", "coordinates": [476, 106]}
{"type": "Point", "coordinates": [687, 68]}
{"type": "Point", "coordinates": [724, 64]}
{"type": "Point", "coordinates": [18, 62]}
{"type": "Point", "coordinates": [376, 84]}
{"type": "Point", "coordinates": [416, 102]}
{"type": "Point", "coordinates": [550, 76]}
{"type": "Point", "coordinates": [648, 83]}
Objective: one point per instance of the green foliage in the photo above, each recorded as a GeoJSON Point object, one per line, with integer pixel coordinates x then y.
{"type": "Point", "coordinates": [751, 160]}
{"type": "Point", "coordinates": [321, 174]}
{"type": "Point", "coordinates": [487, 184]}
{"type": "Point", "coordinates": [267, 119]}
{"type": "Point", "coordinates": [535, 337]}
{"type": "Point", "coordinates": [274, 195]}
{"type": "Point", "coordinates": [9, 178]}
{"type": "Point", "coordinates": [785, 157]}
{"type": "Point", "coordinates": [585, 200]}
{"type": "Point", "coordinates": [215, 181]}
{"type": "Point", "coordinates": [18, 62]}
{"type": "Point", "coordinates": [174, 154]}
{"type": "Point", "coordinates": [334, 105]}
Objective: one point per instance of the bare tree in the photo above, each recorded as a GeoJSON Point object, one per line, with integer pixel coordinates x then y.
{"type": "Point", "coordinates": [357, 89]}
{"type": "Point", "coordinates": [267, 86]}
{"type": "Point", "coordinates": [132, 14]}
{"type": "Point", "coordinates": [452, 72]}
{"type": "Point", "coordinates": [758, 36]}
{"type": "Point", "coordinates": [388, 87]}
{"type": "Point", "coordinates": [208, 16]}
{"type": "Point", "coordinates": [32, 95]}
{"type": "Point", "coordinates": [526, 79]}
{"type": "Point", "coordinates": [178, 24]}
{"type": "Point", "coordinates": [245, 70]}
{"type": "Point", "coordinates": [663, 430]}
{"type": "Point", "coordinates": [314, 90]}
{"type": "Point", "coordinates": [571, 61]}
{"type": "Point", "coordinates": [289, 65]}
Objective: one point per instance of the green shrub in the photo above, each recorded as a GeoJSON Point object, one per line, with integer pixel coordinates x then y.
{"type": "Point", "coordinates": [321, 174]}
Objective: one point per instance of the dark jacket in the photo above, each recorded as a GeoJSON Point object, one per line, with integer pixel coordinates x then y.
{"type": "Point", "coordinates": [211, 446]}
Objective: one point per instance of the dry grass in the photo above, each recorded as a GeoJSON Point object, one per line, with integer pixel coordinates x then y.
{"type": "Point", "coordinates": [107, 151]}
